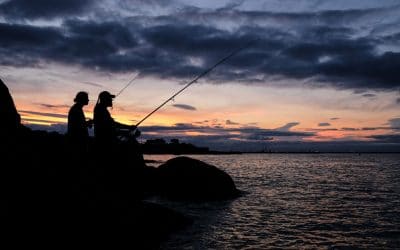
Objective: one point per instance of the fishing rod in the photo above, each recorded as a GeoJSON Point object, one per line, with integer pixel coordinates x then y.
{"type": "Point", "coordinates": [129, 83]}
{"type": "Point", "coordinates": [194, 80]}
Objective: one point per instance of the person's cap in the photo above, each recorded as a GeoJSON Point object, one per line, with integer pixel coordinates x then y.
{"type": "Point", "coordinates": [105, 95]}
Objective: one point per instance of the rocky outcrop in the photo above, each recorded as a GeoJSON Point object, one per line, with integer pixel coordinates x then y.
{"type": "Point", "coordinates": [10, 119]}
{"type": "Point", "coordinates": [47, 194]}
{"type": "Point", "coordinates": [191, 179]}
{"type": "Point", "coordinates": [42, 183]}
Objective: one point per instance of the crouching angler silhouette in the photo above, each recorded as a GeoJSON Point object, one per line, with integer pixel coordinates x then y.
{"type": "Point", "coordinates": [78, 135]}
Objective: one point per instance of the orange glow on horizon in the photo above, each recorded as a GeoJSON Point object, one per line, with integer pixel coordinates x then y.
{"type": "Point", "coordinates": [350, 125]}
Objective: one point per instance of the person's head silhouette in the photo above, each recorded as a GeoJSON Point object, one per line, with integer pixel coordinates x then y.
{"type": "Point", "coordinates": [82, 98]}
{"type": "Point", "coordinates": [105, 98]}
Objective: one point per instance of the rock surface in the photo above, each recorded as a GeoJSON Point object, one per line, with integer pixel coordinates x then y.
{"type": "Point", "coordinates": [191, 179]}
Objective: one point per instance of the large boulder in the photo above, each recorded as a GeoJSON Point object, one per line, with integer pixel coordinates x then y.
{"type": "Point", "coordinates": [10, 119]}
{"type": "Point", "coordinates": [191, 179]}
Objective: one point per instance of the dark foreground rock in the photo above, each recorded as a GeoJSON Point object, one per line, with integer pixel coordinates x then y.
{"type": "Point", "coordinates": [143, 224]}
{"type": "Point", "coordinates": [191, 179]}
{"type": "Point", "coordinates": [42, 204]}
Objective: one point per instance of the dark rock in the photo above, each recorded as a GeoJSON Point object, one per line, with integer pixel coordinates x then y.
{"type": "Point", "coordinates": [108, 223]}
{"type": "Point", "coordinates": [10, 119]}
{"type": "Point", "coordinates": [191, 179]}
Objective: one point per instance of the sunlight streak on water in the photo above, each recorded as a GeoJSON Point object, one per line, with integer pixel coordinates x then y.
{"type": "Point", "coordinates": [292, 201]}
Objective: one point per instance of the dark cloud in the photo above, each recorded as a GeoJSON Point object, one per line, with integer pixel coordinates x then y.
{"type": "Point", "coordinates": [398, 100]}
{"type": "Point", "coordinates": [369, 95]}
{"type": "Point", "coordinates": [321, 46]}
{"type": "Point", "coordinates": [394, 123]}
{"type": "Point", "coordinates": [219, 138]}
{"type": "Point", "coordinates": [377, 128]}
{"type": "Point", "coordinates": [51, 106]}
{"type": "Point", "coordinates": [176, 128]}
{"type": "Point", "coordinates": [334, 118]}
{"type": "Point", "coordinates": [354, 129]}
{"type": "Point", "coordinates": [268, 144]}
{"type": "Point", "coordinates": [274, 132]}
{"type": "Point", "coordinates": [349, 129]}
{"type": "Point", "coordinates": [43, 9]}
{"type": "Point", "coordinates": [131, 4]}
{"type": "Point", "coordinates": [388, 138]}
{"type": "Point", "coordinates": [243, 132]}
{"type": "Point", "coordinates": [392, 127]}
{"type": "Point", "coordinates": [369, 128]}
{"type": "Point", "coordinates": [43, 114]}
{"type": "Point", "coordinates": [324, 124]}
{"type": "Point", "coordinates": [184, 106]}
{"type": "Point", "coordinates": [113, 33]}
{"type": "Point", "coordinates": [252, 139]}
{"type": "Point", "coordinates": [288, 126]}
{"type": "Point", "coordinates": [90, 45]}
{"type": "Point", "coordinates": [201, 122]}
{"type": "Point", "coordinates": [231, 5]}
{"type": "Point", "coordinates": [229, 122]}
{"type": "Point", "coordinates": [24, 45]}
{"type": "Point", "coordinates": [321, 129]}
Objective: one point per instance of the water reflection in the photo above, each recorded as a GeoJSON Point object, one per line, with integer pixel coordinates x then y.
{"type": "Point", "coordinates": [322, 201]}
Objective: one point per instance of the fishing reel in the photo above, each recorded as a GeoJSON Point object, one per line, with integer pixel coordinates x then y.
{"type": "Point", "coordinates": [135, 132]}
{"type": "Point", "coordinates": [127, 135]}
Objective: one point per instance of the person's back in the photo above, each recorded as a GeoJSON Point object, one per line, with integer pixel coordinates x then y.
{"type": "Point", "coordinates": [104, 130]}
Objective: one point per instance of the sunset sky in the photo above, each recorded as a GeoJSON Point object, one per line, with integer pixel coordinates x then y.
{"type": "Point", "coordinates": [318, 75]}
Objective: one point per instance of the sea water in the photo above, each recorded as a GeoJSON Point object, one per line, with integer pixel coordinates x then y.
{"type": "Point", "coordinates": [297, 201]}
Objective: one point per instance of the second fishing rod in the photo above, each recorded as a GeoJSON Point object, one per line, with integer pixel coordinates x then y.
{"type": "Point", "coordinates": [196, 79]}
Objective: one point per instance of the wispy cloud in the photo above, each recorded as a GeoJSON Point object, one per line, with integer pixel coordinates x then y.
{"type": "Point", "coordinates": [94, 84]}
{"type": "Point", "coordinates": [43, 114]}
{"type": "Point", "coordinates": [51, 106]}
{"type": "Point", "coordinates": [369, 95]}
{"type": "Point", "coordinates": [324, 124]}
{"type": "Point", "coordinates": [184, 106]}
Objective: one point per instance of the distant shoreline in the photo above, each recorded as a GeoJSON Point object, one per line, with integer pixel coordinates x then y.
{"type": "Point", "coordinates": [236, 153]}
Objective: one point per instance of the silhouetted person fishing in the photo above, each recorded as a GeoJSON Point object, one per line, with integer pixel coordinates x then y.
{"type": "Point", "coordinates": [106, 129]}
{"type": "Point", "coordinates": [116, 160]}
{"type": "Point", "coordinates": [78, 135]}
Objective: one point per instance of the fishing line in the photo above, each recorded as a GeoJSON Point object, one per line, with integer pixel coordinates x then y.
{"type": "Point", "coordinates": [129, 83]}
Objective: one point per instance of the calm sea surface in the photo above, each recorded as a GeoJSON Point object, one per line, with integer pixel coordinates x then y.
{"type": "Point", "coordinates": [298, 201]}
